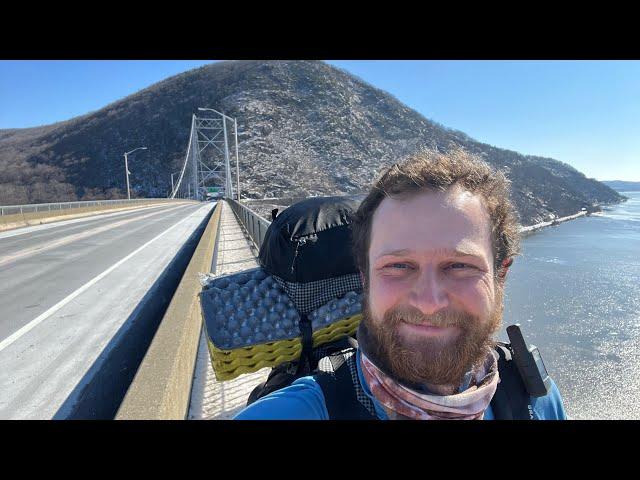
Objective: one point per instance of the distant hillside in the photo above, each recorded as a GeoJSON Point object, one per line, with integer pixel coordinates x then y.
{"type": "Point", "coordinates": [304, 127]}
{"type": "Point", "coordinates": [623, 186]}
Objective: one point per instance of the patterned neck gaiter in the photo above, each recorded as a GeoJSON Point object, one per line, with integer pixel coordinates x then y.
{"type": "Point", "coordinates": [469, 404]}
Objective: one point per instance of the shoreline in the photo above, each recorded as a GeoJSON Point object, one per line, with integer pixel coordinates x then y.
{"type": "Point", "coordinates": [555, 221]}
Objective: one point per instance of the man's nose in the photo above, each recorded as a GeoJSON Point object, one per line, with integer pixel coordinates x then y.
{"type": "Point", "coordinates": [428, 293]}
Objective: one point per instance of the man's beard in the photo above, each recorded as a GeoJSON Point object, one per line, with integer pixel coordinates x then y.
{"type": "Point", "coordinates": [428, 360]}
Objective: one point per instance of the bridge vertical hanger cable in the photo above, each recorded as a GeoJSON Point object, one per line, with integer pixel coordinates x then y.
{"type": "Point", "coordinates": [195, 158]}
{"type": "Point", "coordinates": [228, 186]}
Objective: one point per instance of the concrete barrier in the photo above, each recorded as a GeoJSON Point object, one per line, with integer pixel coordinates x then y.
{"type": "Point", "coordinates": [17, 220]}
{"type": "Point", "coordinates": [161, 388]}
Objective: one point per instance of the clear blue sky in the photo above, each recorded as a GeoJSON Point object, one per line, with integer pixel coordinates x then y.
{"type": "Point", "coordinates": [584, 113]}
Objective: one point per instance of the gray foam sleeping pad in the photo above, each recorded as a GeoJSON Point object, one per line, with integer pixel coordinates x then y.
{"type": "Point", "coordinates": [250, 307]}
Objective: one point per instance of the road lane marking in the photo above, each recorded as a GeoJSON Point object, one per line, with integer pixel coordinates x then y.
{"type": "Point", "coordinates": [43, 247]}
{"type": "Point", "coordinates": [36, 321]}
{"type": "Point", "coordinates": [62, 223]}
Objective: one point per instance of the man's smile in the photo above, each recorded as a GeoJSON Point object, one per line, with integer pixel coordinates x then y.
{"type": "Point", "coordinates": [427, 330]}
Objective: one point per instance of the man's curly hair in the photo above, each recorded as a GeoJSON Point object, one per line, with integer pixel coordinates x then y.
{"type": "Point", "coordinates": [429, 170]}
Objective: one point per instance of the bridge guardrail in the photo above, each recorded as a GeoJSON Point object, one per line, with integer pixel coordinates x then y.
{"type": "Point", "coordinates": [255, 225]}
{"type": "Point", "coordinates": [63, 206]}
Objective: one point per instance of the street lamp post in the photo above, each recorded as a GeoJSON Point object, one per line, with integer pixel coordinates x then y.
{"type": "Point", "coordinates": [126, 168]}
{"type": "Point", "coordinates": [235, 129]}
{"type": "Point", "coordinates": [173, 186]}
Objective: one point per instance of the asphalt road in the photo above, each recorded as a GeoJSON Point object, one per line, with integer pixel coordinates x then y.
{"type": "Point", "coordinates": [67, 288]}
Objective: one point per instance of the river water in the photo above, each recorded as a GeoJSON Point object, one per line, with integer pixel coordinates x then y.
{"type": "Point", "coordinates": [575, 291]}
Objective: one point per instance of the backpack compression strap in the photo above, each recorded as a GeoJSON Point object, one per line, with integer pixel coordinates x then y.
{"type": "Point", "coordinates": [343, 394]}
{"type": "Point", "coordinates": [307, 360]}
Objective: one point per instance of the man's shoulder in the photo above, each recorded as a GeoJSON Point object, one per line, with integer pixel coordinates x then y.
{"type": "Point", "coordinates": [549, 407]}
{"type": "Point", "coordinates": [302, 400]}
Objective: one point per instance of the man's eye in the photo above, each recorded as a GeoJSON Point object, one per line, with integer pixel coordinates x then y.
{"type": "Point", "coordinates": [400, 266]}
{"type": "Point", "coordinates": [460, 266]}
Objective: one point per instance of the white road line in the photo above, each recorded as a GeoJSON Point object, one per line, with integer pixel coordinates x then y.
{"type": "Point", "coordinates": [33, 323]}
{"type": "Point", "coordinates": [61, 223]}
{"type": "Point", "coordinates": [50, 245]}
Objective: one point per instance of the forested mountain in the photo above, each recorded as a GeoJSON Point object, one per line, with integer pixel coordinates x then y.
{"type": "Point", "coordinates": [304, 127]}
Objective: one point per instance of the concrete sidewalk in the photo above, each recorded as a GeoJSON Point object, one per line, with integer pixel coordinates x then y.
{"type": "Point", "coordinates": [210, 399]}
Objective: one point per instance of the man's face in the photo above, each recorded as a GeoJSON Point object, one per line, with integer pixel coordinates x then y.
{"type": "Point", "coordinates": [431, 303]}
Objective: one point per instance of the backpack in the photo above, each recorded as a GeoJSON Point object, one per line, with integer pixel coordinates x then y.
{"type": "Point", "coordinates": [307, 250]}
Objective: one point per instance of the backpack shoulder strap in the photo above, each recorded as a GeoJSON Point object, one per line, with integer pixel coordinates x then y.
{"type": "Point", "coordinates": [344, 397]}
{"type": "Point", "coordinates": [286, 373]}
{"type": "Point", "coordinates": [346, 400]}
{"type": "Point", "coordinates": [511, 400]}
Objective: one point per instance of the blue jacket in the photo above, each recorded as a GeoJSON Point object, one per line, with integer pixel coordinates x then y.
{"type": "Point", "coordinates": [304, 400]}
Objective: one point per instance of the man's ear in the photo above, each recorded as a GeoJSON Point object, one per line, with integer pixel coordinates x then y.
{"type": "Point", "coordinates": [504, 268]}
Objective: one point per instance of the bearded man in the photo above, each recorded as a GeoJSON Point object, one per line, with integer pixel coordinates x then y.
{"type": "Point", "coordinates": [433, 241]}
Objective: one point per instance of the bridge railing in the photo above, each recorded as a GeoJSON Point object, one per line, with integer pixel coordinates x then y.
{"type": "Point", "coordinates": [64, 206]}
{"type": "Point", "coordinates": [255, 225]}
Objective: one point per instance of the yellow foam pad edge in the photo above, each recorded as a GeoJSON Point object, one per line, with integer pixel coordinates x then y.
{"type": "Point", "coordinates": [229, 364]}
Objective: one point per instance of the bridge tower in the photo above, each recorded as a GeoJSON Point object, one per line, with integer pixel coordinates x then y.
{"type": "Point", "coordinates": [207, 166]}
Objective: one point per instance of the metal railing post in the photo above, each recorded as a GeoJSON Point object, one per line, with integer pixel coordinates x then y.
{"type": "Point", "coordinates": [255, 226]}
